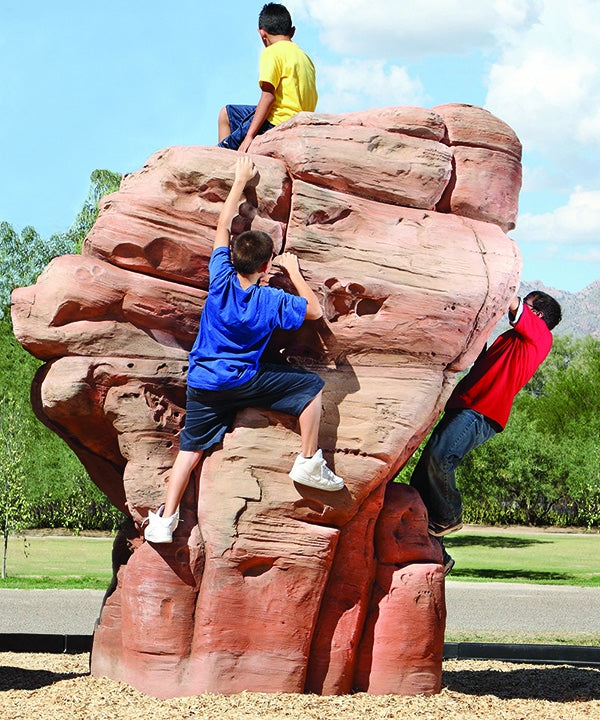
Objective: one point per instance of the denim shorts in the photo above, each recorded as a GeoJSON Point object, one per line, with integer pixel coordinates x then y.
{"type": "Point", "coordinates": [210, 413]}
{"type": "Point", "coordinates": [240, 119]}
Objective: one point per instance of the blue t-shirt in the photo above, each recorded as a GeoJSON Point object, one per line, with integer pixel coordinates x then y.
{"type": "Point", "coordinates": [236, 325]}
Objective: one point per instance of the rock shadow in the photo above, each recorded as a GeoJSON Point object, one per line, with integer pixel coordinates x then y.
{"type": "Point", "coordinates": [17, 678]}
{"type": "Point", "coordinates": [553, 683]}
{"type": "Point", "coordinates": [513, 575]}
{"type": "Point", "coordinates": [496, 541]}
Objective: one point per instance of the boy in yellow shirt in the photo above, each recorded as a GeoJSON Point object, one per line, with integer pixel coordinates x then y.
{"type": "Point", "coordinates": [286, 79]}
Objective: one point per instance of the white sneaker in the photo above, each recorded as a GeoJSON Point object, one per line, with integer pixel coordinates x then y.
{"type": "Point", "coordinates": [160, 529]}
{"type": "Point", "coordinates": [314, 472]}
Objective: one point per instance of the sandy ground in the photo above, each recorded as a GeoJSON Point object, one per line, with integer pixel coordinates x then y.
{"type": "Point", "coordinates": [58, 687]}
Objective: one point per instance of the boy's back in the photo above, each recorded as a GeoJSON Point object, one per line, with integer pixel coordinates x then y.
{"type": "Point", "coordinates": [236, 325]}
{"type": "Point", "coordinates": [291, 72]}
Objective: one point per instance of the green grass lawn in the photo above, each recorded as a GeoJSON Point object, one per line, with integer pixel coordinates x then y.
{"type": "Point", "coordinates": [73, 562]}
{"type": "Point", "coordinates": [484, 554]}
{"type": "Point", "coordinates": [552, 558]}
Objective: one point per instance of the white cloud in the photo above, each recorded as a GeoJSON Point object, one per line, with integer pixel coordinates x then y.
{"type": "Point", "coordinates": [357, 84]}
{"type": "Point", "coordinates": [546, 83]}
{"type": "Point", "coordinates": [380, 28]}
{"type": "Point", "coordinates": [591, 256]}
{"type": "Point", "coordinates": [576, 223]}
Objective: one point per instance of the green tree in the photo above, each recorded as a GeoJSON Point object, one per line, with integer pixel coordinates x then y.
{"type": "Point", "coordinates": [14, 507]}
{"type": "Point", "coordinates": [38, 467]}
{"type": "Point", "coordinates": [23, 256]}
{"type": "Point", "coordinates": [564, 349]}
{"type": "Point", "coordinates": [570, 401]}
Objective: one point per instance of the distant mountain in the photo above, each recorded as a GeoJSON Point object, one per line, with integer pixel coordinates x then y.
{"type": "Point", "coordinates": [580, 310]}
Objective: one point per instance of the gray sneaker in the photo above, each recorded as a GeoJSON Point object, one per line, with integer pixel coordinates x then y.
{"type": "Point", "coordinates": [314, 472]}
{"type": "Point", "coordinates": [160, 529]}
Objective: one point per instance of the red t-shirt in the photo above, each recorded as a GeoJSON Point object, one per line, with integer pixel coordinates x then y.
{"type": "Point", "coordinates": [499, 373]}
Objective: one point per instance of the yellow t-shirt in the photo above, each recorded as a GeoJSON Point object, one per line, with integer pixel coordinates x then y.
{"type": "Point", "coordinates": [291, 72]}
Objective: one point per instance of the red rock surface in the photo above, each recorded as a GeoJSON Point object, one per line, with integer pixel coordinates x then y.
{"type": "Point", "coordinates": [398, 218]}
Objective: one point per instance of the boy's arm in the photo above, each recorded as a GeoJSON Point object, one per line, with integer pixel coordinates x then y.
{"type": "Point", "coordinates": [244, 171]}
{"type": "Point", "coordinates": [513, 310]}
{"type": "Point", "coordinates": [289, 262]}
{"type": "Point", "coordinates": [266, 100]}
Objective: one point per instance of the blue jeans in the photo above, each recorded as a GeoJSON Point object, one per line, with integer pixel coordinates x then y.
{"type": "Point", "coordinates": [240, 118]}
{"type": "Point", "coordinates": [457, 433]}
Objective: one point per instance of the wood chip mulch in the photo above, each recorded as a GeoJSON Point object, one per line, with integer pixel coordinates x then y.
{"type": "Point", "coordinates": [59, 687]}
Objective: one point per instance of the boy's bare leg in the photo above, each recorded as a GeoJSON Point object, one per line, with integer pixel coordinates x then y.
{"type": "Point", "coordinates": [185, 462]}
{"type": "Point", "coordinates": [224, 127]}
{"type": "Point", "coordinates": [310, 468]}
{"type": "Point", "coordinates": [310, 422]}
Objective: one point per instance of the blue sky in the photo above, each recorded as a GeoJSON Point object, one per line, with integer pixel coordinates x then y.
{"type": "Point", "coordinates": [86, 86]}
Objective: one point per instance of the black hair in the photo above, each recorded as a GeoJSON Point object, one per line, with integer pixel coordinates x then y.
{"type": "Point", "coordinates": [250, 250]}
{"type": "Point", "coordinates": [547, 306]}
{"type": "Point", "coordinates": [275, 19]}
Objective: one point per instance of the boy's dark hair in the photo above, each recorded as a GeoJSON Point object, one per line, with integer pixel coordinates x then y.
{"type": "Point", "coordinates": [250, 250]}
{"type": "Point", "coordinates": [275, 19]}
{"type": "Point", "coordinates": [547, 306]}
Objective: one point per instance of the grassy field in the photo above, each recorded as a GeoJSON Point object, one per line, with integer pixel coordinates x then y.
{"type": "Point", "coordinates": [526, 555]}
{"type": "Point", "coordinates": [74, 562]}
{"type": "Point", "coordinates": [484, 554]}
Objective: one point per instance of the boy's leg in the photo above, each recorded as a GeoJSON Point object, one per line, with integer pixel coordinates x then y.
{"type": "Point", "coordinates": [299, 393]}
{"type": "Point", "coordinates": [310, 422]}
{"type": "Point", "coordinates": [183, 466]}
{"type": "Point", "coordinates": [207, 418]}
{"type": "Point", "coordinates": [238, 119]}
{"type": "Point", "coordinates": [457, 434]}
{"type": "Point", "coordinates": [162, 523]}
{"type": "Point", "coordinates": [224, 126]}
{"type": "Point", "coordinates": [310, 468]}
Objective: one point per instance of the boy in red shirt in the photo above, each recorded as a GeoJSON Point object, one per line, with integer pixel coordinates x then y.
{"type": "Point", "coordinates": [479, 408]}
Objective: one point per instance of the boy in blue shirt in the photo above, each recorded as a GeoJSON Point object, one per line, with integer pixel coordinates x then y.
{"type": "Point", "coordinates": [286, 79]}
{"type": "Point", "coordinates": [225, 373]}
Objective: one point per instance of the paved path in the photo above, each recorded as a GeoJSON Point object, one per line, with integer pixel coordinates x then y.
{"type": "Point", "coordinates": [49, 612]}
{"type": "Point", "coordinates": [514, 607]}
{"type": "Point", "coordinates": [471, 606]}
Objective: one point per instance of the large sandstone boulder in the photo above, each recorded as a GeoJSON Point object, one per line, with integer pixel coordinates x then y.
{"type": "Point", "coordinates": [398, 217]}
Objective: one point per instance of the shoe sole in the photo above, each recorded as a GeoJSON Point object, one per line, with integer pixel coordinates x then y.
{"type": "Point", "coordinates": [309, 483]}
{"type": "Point", "coordinates": [158, 538]}
{"type": "Point", "coordinates": [448, 565]}
{"type": "Point", "coordinates": [159, 541]}
{"type": "Point", "coordinates": [442, 532]}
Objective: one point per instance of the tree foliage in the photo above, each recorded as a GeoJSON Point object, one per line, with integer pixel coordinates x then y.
{"type": "Point", "coordinates": [23, 256]}
{"type": "Point", "coordinates": [44, 484]}
{"type": "Point", "coordinates": [14, 505]}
